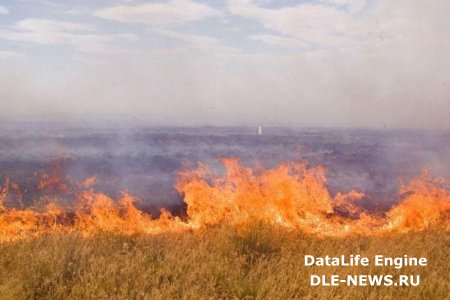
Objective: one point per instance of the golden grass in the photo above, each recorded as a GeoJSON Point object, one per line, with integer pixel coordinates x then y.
{"type": "Point", "coordinates": [219, 263]}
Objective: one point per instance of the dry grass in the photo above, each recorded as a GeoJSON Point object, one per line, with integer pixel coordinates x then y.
{"type": "Point", "coordinates": [218, 263]}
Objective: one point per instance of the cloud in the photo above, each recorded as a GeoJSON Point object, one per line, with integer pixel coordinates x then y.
{"type": "Point", "coordinates": [159, 13]}
{"type": "Point", "coordinates": [44, 25]}
{"type": "Point", "coordinates": [351, 5]}
{"type": "Point", "coordinates": [205, 44]}
{"type": "Point", "coordinates": [168, 52]}
{"type": "Point", "coordinates": [81, 36]}
{"type": "Point", "coordinates": [314, 24]}
{"type": "Point", "coordinates": [278, 40]}
{"type": "Point", "coordinates": [4, 10]}
{"type": "Point", "coordinates": [4, 54]}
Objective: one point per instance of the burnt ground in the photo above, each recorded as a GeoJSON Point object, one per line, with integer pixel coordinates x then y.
{"type": "Point", "coordinates": [144, 161]}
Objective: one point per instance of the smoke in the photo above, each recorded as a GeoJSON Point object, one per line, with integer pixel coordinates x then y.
{"type": "Point", "coordinates": [144, 161]}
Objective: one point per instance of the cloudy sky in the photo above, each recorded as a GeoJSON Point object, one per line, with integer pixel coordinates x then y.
{"type": "Point", "coordinates": [358, 63]}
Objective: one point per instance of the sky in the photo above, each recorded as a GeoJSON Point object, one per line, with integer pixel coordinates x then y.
{"type": "Point", "coordinates": [344, 63]}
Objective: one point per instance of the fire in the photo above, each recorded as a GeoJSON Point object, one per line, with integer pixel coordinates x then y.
{"type": "Point", "coordinates": [426, 204]}
{"type": "Point", "coordinates": [96, 213]}
{"type": "Point", "coordinates": [54, 181]}
{"type": "Point", "coordinates": [90, 181]}
{"type": "Point", "coordinates": [290, 196]}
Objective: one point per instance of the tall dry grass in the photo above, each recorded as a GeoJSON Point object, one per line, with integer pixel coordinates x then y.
{"type": "Point", "coordinates": [219, 263]}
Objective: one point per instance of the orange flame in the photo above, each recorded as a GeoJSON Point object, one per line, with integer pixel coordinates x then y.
{"type": "Point", "coordinates": [291, 196]}
{"type": "Point", "coordinates": [53, 181]}
{"type": "Point", "coordinates": [90, 181]}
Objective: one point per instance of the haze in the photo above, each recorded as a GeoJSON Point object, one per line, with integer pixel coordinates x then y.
{"type": "Point", "coordinates": [352, 63]}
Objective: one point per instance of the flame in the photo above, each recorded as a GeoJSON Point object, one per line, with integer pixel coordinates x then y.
{"type": "Point", "coordinates": [90, 181]}
{"type": "Point", "coordinates": [54, 181]}
{"type": "Point", "coordinates": [4, 190]}
{"type": "Point", "coordinates": [426, 204]}
{"type": "Point", "coordinates": [290, 196]}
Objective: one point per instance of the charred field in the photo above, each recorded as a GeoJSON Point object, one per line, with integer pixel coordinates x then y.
{"type": "Point", "coordinates": [91, 212]}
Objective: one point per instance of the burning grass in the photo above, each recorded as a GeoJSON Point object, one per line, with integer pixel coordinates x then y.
{"type": "Point", "coordinates": [220, 262]}
{"type": "Point", "coordinates": [243, 236]}
{"type": "Point", "coordinates": [290, 196]}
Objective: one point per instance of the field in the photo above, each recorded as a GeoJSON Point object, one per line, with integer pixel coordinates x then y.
{"type": "Point", "coordinates": [259, 262]}
{"type": "Point", "coordinates": [80, 211]}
